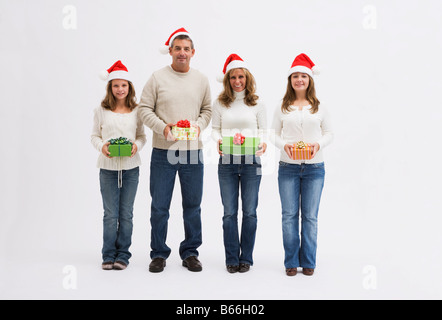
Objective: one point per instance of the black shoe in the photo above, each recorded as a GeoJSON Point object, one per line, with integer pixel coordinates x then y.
{"type": "Point", "coordinates": [244, 267]}
{"type": "Point", "coordinates": [232, 269]}
{"type": "Point", "coordinates": [193, 264]}
{"type": "Point", "coordinates": [157, 265]}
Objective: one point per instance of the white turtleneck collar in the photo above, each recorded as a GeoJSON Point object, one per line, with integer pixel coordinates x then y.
{"type": "Point", "coordinates": [240, 95]}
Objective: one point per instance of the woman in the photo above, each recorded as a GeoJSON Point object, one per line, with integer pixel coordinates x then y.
{"type": "Point", "coordinates": [300, 118]}
{"type": "Point", "coordinates": [237, 111]}
{"type": "Point", "coordinates": [117, 117]}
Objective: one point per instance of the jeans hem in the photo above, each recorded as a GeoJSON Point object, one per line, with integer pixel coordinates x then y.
{"type": "Point", "coordinates": [190, 255]}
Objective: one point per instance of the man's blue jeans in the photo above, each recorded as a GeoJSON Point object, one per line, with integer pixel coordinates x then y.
{"type": "Point", "coordinates": [164, 166]}
{"type": "Point", "coordinates": [118, 206]}
{"type": "Point", "coordinates": [237, 173]}
{"type": "Point", "coordinates": [300, 187]}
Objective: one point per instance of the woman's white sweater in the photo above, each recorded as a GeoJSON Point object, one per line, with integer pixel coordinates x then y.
{"type": "Point", "coordinates": [302, 125]}
{"type": "Point", "coordinates": [110, 125]}
{"type": "Point", "coordinates": [239, 118]}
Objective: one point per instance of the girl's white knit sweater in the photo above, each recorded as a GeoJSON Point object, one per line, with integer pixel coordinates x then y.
{"type": "Point", "coordinates": [302, 125]}
{"type": "Point", "coordinates": [110, 125]}
{"type": "Point", "coordinates": [250, 121]}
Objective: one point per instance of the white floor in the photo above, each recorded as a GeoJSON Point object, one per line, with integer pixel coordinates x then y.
{"type": "Point", "coordinates": [71, 270]}
{"type": "Point", "coordinates": [374, 242]}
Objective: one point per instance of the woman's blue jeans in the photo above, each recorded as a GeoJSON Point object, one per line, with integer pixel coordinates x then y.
{"type": "Point", "coordinates": [164, 166]}
{"type": "Point", "coordinates": [300, 187]}
{"type": "Point", "coordinates": [118, 206]}
{"type": "Point", "coordinates": [235, 174]}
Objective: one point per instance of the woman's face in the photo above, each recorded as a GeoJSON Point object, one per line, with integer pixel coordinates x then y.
{"type": "Point", "coordinates": [120, 89]}
{"type": "Point", "coordinates": [238, 80]}
{"type": "Point", "coordinates": [300, 81]}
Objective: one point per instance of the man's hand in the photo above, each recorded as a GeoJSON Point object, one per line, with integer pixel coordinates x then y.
{"type": "Point", "coordinates": [167, 132]}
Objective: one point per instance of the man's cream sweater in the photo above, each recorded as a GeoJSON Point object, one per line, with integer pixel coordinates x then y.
{"type": "Point", "coordinates": [170, 96]}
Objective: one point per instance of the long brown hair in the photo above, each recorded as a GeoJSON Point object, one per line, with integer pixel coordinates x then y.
{"type": "Point", "coordinates": [109, 101]}
{"type": "Point", "coordinates": [227, 96]}
{"type": "Point", "coordinates": [290, 96]}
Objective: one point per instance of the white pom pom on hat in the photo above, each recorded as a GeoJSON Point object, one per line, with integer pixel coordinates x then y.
{"type": "Point", "coordinates": [304, 64]}
{"type": "Point", "coordinates": [233, 61]}
{"type": "Point", "coordinates": [103, 74]}
{"type": "Point", "coordinates": [117, 71]}
{"type": "Point", "coordinates": [164, 49]}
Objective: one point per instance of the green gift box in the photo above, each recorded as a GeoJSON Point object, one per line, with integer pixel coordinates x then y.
{"type": "Point", "coordinates": [249, 146]}
{"type": "Point", "coordinates": [120, 147]}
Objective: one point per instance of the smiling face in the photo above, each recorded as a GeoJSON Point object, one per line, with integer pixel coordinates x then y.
{"type": "Point", "coordinates": [120, 89]}
{"type": "Point", "coordinates": [238, 80]}
{"type": "Point", "coordinates": [181, 53]}
{"type": "Point", "coordinates": [300, 81]}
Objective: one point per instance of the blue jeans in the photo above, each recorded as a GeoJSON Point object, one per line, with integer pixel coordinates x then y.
{"type": "Point", "coordinates": [118, 206]}
{"type": "Point", "coordinates": [236, 173]}
{"type": "Point", "coordinates": [164, 166]}
{"type": "Point", "coordinates": [300, 187]}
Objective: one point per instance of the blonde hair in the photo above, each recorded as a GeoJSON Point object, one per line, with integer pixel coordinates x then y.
{"type": "Point", "coordinates": [227, 96]}
{"type": "Point", "coordinates": [109, 101]}
{"type": "Point", "coordinates": [290, 96]}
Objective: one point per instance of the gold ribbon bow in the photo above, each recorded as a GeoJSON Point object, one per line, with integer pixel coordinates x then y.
{"type": "Point", "coordinates": [301, 145]}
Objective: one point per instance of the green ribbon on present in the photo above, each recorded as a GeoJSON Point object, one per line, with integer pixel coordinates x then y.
{"type": "Point", "coordinates": [120, 141]}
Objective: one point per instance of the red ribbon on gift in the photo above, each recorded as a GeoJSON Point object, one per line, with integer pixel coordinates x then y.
{"type": "Point", "coordinates": [183, 124]}
{"type": "Point", "coordinates": [238, 139]}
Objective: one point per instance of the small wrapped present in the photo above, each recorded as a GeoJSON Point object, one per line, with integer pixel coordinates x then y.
{"type": "Point", "coordinates": [302, 151]}
{"type": "Point", "coordinates": [184, 130]}
{"type": "Point", "coordinates": [120, 147]}
{"type": "Point", "coordinates": [240, 145]}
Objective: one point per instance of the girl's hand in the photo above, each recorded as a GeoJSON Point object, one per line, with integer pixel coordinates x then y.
{"type": "Point", "coordinates": [288, 150]}
{"type": "Point", "coordinates": [105, 150]}
{"type": "Point", "coordinates": [261, 149]}
{"type": "Point", "coordinates": [134, 150]}
{"type": "Point", "coordinates": [315, 148]}
{"type": "Point", "coordinates": [219, 143]}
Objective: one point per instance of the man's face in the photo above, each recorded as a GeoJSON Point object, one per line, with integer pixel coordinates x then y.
{"type": "Point", "coordinates": [181, 52]}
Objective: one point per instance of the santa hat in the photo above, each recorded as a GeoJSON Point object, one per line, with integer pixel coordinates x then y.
{"type": "Point", "coordinates": [117, 71]}
{"type": "Point", "coordinates": [165, 48]}
{"type": "Point", "coordinates": [233, 61]}
{"type": "Point", "coordinates": [302, 63]}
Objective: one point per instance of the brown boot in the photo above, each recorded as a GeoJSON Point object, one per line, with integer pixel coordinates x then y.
{"type": "Point", "coordinates": [291, 272]}
{"type": "Point", "coordinates": [193, 264]}
{"type": "Point", "coordinates": [157, 265]}
{"type": "Point", "coordinates": [308, 271]}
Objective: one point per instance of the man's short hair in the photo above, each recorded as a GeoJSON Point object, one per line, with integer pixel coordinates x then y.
{"type": "Point", "coordinates": [183, 37]}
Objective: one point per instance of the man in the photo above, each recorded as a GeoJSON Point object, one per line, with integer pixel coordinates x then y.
{"type": "Point", "coordinates": [174, 93]}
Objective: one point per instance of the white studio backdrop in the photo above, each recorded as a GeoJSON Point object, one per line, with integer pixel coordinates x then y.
{"type": "Point", "coordinates": [380, 216]}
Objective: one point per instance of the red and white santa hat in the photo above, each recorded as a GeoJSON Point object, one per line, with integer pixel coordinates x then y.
{"type": "Point", "coordinates": [233, 61]}
{"type": "Point", "coordinates": [117, 71]}
{"type": "Point", "coordinates": [304, 64]}
{"type": "Point", "coordinates": [165, 48]}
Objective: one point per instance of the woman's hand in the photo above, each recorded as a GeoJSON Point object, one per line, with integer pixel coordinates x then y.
{"type": "Point", "coordinates": [288, 149]}
{"type": "Point", "coordinates": [219, 150]}
{"type": "Point", "coordinates": [262, 147]}
{"type": "Point", "coordinates": [315, 148]}
{"type": "Point", "coordinates": [105, 150]}
{"type": "Point", "coordinates": [134, 150]}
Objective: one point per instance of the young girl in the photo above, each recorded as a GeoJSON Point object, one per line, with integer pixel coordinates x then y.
{"type": "Point", "coordinates": [300, 118]}
{"type": "Point", "coordinates": [237, 110]}
{"type": "Point", "coordinates": [117, 117]}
